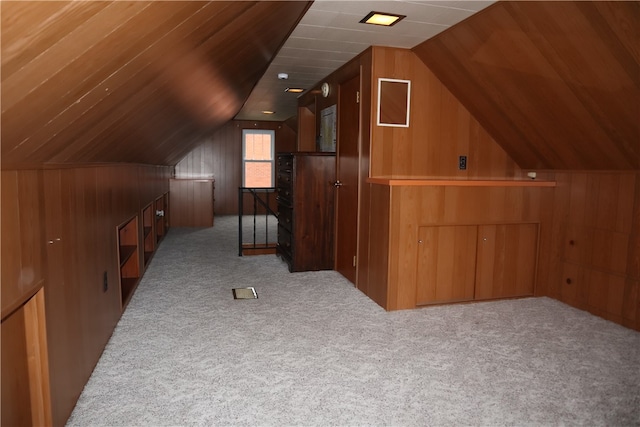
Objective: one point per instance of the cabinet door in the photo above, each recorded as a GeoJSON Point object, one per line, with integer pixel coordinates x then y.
{"type": "Point", "coordinates": [446, 264]}
{"type": "Point", "coordinates": [506, 260]}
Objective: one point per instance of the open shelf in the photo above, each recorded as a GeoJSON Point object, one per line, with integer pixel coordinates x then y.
{"type": "Point", "coordinates": [128, 255]}
{"type": "Point", "coordinates": [148, 237]}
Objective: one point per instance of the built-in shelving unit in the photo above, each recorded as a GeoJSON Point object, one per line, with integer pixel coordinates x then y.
{"type": "Point", "coordinates": [148, 237]}
{"type": "Point", "coordinates": [128, 246]}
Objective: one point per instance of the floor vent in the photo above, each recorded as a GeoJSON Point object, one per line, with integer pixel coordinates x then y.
{"type": "Point", "coordinates": [244, 293]}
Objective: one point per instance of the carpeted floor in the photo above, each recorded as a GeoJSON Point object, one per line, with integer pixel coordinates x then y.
{"type": "Point", "coordinates": [314, 351]}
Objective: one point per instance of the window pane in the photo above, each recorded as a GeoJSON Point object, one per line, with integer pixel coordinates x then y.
{"type": "Point", "coordinates": [257, 174]}
{"type": "Point", "coordinates": [258, 146]}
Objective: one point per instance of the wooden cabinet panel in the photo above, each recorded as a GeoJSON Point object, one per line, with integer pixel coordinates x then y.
{"type": "Point", "coordinates": [463, 263]}
{"type": "Point", "coordinates": [191, 202]}
{"type": "Point", "coordinates": [16, 400]}
{"type": "Point", "coordinates": [446, 264]}
{"type": "Point", "coordinates": [23, 238]}
{"type": "Point", "coordinates": [25, 367]}
{"type": "Point", "coordinates": [306, 197]}
{"type": "Point", "coordinates": [506, 260]}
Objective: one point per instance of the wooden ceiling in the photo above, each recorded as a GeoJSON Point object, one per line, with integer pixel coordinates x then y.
{"type": "Point", "coordinates": [557, 84]}
{"type": "Point", "coordinates": [137, 82]}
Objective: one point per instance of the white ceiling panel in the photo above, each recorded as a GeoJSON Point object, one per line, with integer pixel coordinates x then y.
{"type": "Point", "coordinates": [330, 35]}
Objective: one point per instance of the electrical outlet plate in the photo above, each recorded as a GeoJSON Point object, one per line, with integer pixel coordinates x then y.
{"type": "Point", "coordinates": [462, 162]}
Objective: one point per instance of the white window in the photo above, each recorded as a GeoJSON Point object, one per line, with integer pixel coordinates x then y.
{"type": "Point", "coordinates": [258, 165]}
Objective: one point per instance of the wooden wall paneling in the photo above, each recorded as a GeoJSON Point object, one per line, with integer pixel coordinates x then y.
{"type": "Point", "coordinates": [63, 320]}
{"type": "Point", "coordinates": [25, 368]}
{"type": "Point", "coordinates": [379, 234]}
{"type": "Point", "coordinates": [191, 203]}
{"type": "Point", "coordinates": [113, 54]}
{"type": "Point", "coordinates": [108, 316]}
{"type": "Point", "coordinates": [364, 203]}
{"type": "Point", "coordinates": [577, 52]}
{"type": "Point", "coordinates": [12, 292]}
{"type": "Point", "coordinates": [306, 128]}
{"type": "Point", "coordinates": [440, 130]}
{"type": "Point", "coordinates": [549, 253]}
{"type": "Point", "coordinates": [43, 33]}
{"type": "Point", "coordinates": [220, 156]}
{"type": "Point", "coordinates": [23, 237]}
{"type": "Point", "coordinates": [82, 207]}
{"type": "Point", "coordinates": [571, 286]}
{"type": "Point", "coordinates": [605, 294]}
{"type": "Point", "coordinates": [135, 32]}
{"type": "Point", "coordinates": [631, 301]}
{"type": "Point", "coordinates": [38, 359]}
{"type": "Point", "coordinates": [592, 239]}
{"type": "Point", "coordinates": [16, 396]}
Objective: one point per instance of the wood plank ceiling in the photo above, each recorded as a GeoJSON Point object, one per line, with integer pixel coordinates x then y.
{"type": "Point", "coordinates": [557, 84]}
{"type": "Point", "coordinates": [136, 82]}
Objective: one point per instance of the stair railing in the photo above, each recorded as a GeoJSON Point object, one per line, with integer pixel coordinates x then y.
{"type": "Point", "coordinates": [261, 197]}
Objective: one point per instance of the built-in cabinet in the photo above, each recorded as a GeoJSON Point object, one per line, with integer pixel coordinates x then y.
{"type": "Point", "coordinates": [137, 241]}
{"type": "Point", "coordinates": [475, 262]}
{"type": "Point", "coordinates": [128, 247]}
{"type": "Point", "coordinates": [192, 202]}
{"type": "Point", "coordinates": [305, 195]}
{"type": "Point", "coordinates": [148, 234]}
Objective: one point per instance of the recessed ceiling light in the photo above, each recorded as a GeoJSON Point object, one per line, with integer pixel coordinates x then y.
{"type": "Point", "coordinates": [294, 90]}
{"type": "Point", "coordinates": [268, 112]}
{"type": "Point", "coordinates": [382, 18]}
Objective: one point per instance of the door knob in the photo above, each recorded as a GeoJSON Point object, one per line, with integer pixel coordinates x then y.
{"type": "Point", "coordinates": [337, 184]}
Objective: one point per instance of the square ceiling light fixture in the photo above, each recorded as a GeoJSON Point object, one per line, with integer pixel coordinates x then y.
{"type": "Point", "coordinates": [382, 18]}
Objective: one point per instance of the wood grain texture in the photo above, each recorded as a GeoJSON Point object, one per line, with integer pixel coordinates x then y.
{"type": "Point", "coordinates": [82, 208]}
{"type": "Point", "coordinates": [136, 82]}
{"type": "Point", "coordinates": [446, 264]}
{"type": "Point", "coordinates": [220, 157]}
{"type": "Point", "coordinates": [593, 237]}
{"type": "Point", "coordinates": [348, 144]}
{"type": "Point", "coordinates": [506, 260]}
{"type": "Point", "coordinates": [441, 129]}
{"type": "Point", "coordinates": [191, 202]}
{"type": "Point", "coordinates": [555, 83]}
{"type": "Point", "coordinates": [23, 238]}
{"type": "Point", "coordinates": [377, 286]}
{"type": "Point", "coordinates": [413, 207]}
{"type": "Point", "coordinates": [16, 397]}
{"type": "Point", "coordinates": [38, 359]}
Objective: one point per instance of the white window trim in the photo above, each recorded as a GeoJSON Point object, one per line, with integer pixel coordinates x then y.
{"type": "Point", "coordinates": [273, 157]}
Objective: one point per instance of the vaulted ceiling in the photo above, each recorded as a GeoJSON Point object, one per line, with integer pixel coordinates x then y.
{"type": "Point", "coordinates": [557, 84]}
{"type": "Point", "coordinates": [139, 81]}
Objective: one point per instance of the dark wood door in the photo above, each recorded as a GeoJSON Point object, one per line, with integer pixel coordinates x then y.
{"type": "Point", "coordinates": [347, 176]}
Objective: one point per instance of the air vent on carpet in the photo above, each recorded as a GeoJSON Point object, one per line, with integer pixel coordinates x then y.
{"type": "Point", "coordinates": [244, 293]}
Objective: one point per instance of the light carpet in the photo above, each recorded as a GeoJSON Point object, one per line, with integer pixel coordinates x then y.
{"type": "Point", "coordinates": [314, 351]}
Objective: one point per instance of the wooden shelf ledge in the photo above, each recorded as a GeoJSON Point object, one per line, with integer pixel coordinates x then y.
{"type": "Point", "coordinates": [394, 182]}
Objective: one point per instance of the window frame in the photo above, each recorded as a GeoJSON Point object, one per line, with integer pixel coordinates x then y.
{"type": "Point", "coordinates": [272, 133]}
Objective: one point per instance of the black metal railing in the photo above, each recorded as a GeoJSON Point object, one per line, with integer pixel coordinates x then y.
{"type": "Point", "coordinates": [259, 214]}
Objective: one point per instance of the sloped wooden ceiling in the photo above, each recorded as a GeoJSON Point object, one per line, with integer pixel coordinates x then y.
{"type": "Point", "coordinates": [136, 82]}
{"type": "Point", "coordinates": [557, 84]}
